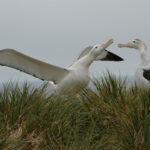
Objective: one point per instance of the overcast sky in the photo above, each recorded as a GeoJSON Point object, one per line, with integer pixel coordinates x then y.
{"type": "Point", "coordinates": [56, 31]}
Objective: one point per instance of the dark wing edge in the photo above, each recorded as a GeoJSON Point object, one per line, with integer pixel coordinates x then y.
{"type": "Point", "coordinates": [146, 74]}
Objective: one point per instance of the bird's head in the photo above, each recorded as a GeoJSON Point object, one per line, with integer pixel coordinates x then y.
{"type": "Point", "coordinates": [100, 53]}
{"type": "Point", "coordinates": [99, 48]}
{"type": "Point", "coordinates": [136, 44]}
{"type": "Point", "coordinates": [104, 55]}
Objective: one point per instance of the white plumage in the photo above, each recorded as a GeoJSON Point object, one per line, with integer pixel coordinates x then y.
{"type": "Point", "coordinates": [142, 74]}
{"type": "Point", "coordinates": [67, 81]}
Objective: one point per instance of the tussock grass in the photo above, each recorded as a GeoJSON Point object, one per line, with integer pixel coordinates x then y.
{"type": "Point", "coordinates": [113, 117]}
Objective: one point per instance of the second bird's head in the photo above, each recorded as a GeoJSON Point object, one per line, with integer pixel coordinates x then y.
{"type": "Point", "coordinates": [136, 44]}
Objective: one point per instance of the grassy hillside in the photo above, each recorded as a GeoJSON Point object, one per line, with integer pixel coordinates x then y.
{"type": "Point", "coordinates": [110, 118]}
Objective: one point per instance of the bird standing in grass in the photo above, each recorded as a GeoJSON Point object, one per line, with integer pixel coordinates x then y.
{"type": "Point", "coordinates": [142, 75]}
{"type": "Point", "coordinates": [68, 81]}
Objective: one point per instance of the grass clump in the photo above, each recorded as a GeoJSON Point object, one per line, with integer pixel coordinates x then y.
{"type": "Point", "coordinates": [113, 117]}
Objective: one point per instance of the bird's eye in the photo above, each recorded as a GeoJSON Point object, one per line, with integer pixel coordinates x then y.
{"type": "Point", "coordinates": [96, 47]}
{"type": "Point", "coordinates": [134, 41]}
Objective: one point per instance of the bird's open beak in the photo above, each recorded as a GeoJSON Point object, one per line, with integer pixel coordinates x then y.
{"type": "Point", "coordinates": [111, 57]}
{"type": "Point", "coordinates": [129, 45]}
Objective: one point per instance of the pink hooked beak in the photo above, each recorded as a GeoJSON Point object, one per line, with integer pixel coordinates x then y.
{"type": "Point", "coordinates": [130, 45]}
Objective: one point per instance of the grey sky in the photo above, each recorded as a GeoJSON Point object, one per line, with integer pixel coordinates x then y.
{"type": "Point", "coordinates": [56, 31]}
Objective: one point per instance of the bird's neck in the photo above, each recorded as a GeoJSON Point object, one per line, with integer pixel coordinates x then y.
{"type": "Point", "coordinates": [84, 62]}
{"type": "Point", "coordinates": [145, 55]}
{"type": "Point", "coordinates": [143, 48]}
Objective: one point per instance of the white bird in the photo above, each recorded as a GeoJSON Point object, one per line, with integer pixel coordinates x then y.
{"type": "Point", "coordinates": [142, 74]}
{"type": "Point", "coordinates": [67, 81]}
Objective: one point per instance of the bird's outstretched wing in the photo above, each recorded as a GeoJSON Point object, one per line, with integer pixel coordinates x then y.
{"type": "Point", "coordinates": [84, 52]}
{"type": "Point", "coordinates": [108, 56]}
{"type": "Point", "coordinates": [29, 65]}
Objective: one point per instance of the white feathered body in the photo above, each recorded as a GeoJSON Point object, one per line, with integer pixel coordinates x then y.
{"type": "Point", "coordinates": [78, 76]}
{"type": "Point", "coordinates": [76, 80]}
{"type": "Point", "coordinates": [145, 65]}
{"type": "Point", "coordinates": [69, 80]}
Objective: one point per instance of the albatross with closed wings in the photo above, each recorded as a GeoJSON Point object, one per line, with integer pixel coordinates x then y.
{"type": "Point", "coordinates": [69, 80]}
{"type": "Point", "coordinates": [142, 75]}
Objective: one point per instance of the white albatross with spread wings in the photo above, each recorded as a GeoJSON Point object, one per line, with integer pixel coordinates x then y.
{"type": "Point", "coordinates": [142, 74]}
{"type": "Point", "coordinates": [68, 81]}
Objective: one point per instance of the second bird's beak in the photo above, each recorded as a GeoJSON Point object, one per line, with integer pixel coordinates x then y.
{"type": "Point", "coordinates": [130, 45]}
